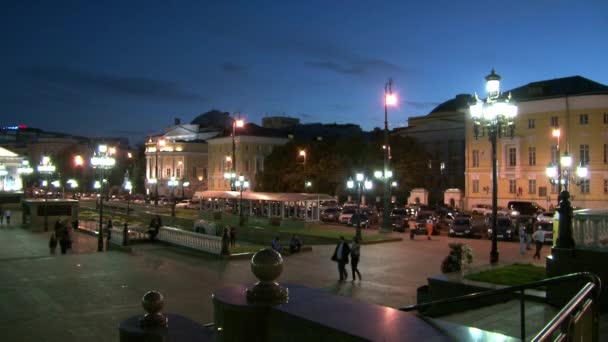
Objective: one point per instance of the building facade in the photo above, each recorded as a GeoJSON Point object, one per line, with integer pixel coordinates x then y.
{"type": "Point", "coordinates": [250, 149]}
{"type": "Point", "coordinates": [578, 107]}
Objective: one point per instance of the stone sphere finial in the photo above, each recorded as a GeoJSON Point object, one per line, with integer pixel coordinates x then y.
{"type": "Point", "coordinates": [267, 266]}
{"type": "Point", "coordinates": [153, 302]}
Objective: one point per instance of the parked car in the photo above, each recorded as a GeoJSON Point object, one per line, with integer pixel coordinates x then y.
{"type": "Point", "coordinates": [421, 222]}
{"type": "Point", "coordinates": [547, 216]}
{"type": "Point", "coordinates": [462, 226]}
{"type": "Point", "coordinates": [481, 209]}
{"type": "Point", "coordinates": [194, 204]}
{"type": "Point", "coordinates": [359, 217]}
{"type": "Point", "coordinates": [398, 218]}
{"type": "Point", "coordinates": [516, 208]}
{"type": "Point", "coordinates": [330, 214]}
{"type": "Point", "coordinates": [505, 230]}
{"type": "Point", "coordinates": [345, 215]}
{"type": "Point", "coordinates": [182, 204]}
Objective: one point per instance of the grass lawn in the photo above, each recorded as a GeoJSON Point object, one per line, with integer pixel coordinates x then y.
{"type": "Point", "coordinates": [510, 275]}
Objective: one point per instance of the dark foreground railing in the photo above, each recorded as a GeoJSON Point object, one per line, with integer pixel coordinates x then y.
{"type": "Point", "coordinates": [578, 317]}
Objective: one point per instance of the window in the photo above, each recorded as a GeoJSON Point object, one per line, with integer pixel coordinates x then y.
{"type": "Point", "coordinates": [178, 173]}
{"type": "Point", "coordinates": [606, 118]}
{"type": "Point", "coordinates": [583, 119]}
{"type": "Point", "coordinates": [512, 186]}
{"type": "Point", "coordinates": [532, 156]}
{"type": "Point", "coordinates": [194, 173]}
{"type": "Point", "coordinates": [168, 172]}
{"type": "Point", "coordinates": [554, 121]}
{"type": "Point", "coordinates": [531, 186]}
{"type": "Point", "coordinates": [475, 186]}
{"type": "Point", "coordinates": [554, 154]}
{"type": "Point", "coordinates": [585, 186]}
{"type": "Point", "coordinates": [247, 166]}
{"type": "Point", "coordinates": [605, 153]}
{"type": "Point", "coordinates": [606, 186]}
{"type": "Point", "coordinates": [554, 188]}
{"type": "Point", "coordinates": [475, 158]}
{"type": "Point", "coordinates": [531, 123]}
{"type": "Point", "coordinates": [512, 156]}
{"type": "Point", "coordinates": [584, 154]}
{"type": "Point", "coordinates": [542, 191]}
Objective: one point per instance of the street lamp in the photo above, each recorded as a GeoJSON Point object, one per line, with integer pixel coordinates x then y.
{"type": "Point", "coordinates": [101, 160]}
{"type": "Point", "coordinates": [241, 184]}
{"type": "Point", "coordinates": [494, 116]}
{"type": "Point", "coordinates": [184, 185]}
{"type": "Point", "coordinates": [159, 143]}
{"type": "Point", "coordinates": [307, 184]}
{"type": "Point", "coordinates": [235, 123]}
{"type": "Point", "coordinates": [385, 177]}
{"type": "Point", "coordinates": [128, 186]}
{"type": "Point", "coordinates": [24, 170]}
{"type": "Point", "coordinates": [302, 154]}
{"type": "Point", "coordinates": [172, 183]}
{"type": "Point", "coordinates": [390, 99]}
{"type": "Point", "coordinates": [360, 184]}
{"type": "Point", "coordinates": [47, 168]}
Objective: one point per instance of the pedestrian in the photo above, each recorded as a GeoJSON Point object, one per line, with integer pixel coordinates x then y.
{"type": "Point", "coordinates": [539, 239]}
{"type": "Point", "coordinates": [522, 238]}
{"type": "Point", "coordinates": [355, 254]}
{"type": "Point", "coordinates": [1, 215]}
{"type": "Point", "coordinates": [294, 244]}
{"type": "Point", "coordinates": [276, 245]}
{"type": "Point", "coordinates": [429, 228]}
{"type": "Point", "coordinates": [109, 229]}
{"type": "Point", "coordinates": [341, 257]}
{"type": "Point", "coordinates": [232, 236]}
{"type": "Point", "coordinates": [529, 231]}
{"type": "Point", "coordinates": [53, 243]}
{"type": "Point", "coordinates": [225, 243]}
{"type": "Point", "coordinates": [412, 228]}
{"type": "Point", "coordinates": [152, 229]}
{"type": "Point", "coordinates": [63, 243]}
{"type": "Point", "coordinates": [8, 217]}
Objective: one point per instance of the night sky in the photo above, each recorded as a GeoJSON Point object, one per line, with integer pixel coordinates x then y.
{"type": "Point", "coordinates": [125, 68]}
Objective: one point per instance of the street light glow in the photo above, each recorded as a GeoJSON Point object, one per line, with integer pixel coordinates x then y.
{"type": "Point", "coordinates": [78, 160]}
{"type": "Point", "coordinates": [556, 132]}
{"type": "Point", "coordinates": [359, 177]}
{"type": "Point", "coordinates": [350, 184]}
{"type": "Point", "coordinates": [302, 153]}
{"type": "Point", "coordinates": [582, 171]}
{"type": "Point", "coordinates": [239, 123]}
{"type": "Point", "coordinates": [391, 99]}
{"type": "Point", "coordinates": [566, 160]}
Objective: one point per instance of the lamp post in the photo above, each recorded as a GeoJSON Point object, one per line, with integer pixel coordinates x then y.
{"type": "Point", "coordinates": [172, 183]}
{"type": "Point", "coordinates": [307, 185]}
{"type": "Point", "coordinates": [241, 184]}
{"type": "Point", "coordinates": [47, 168]}
{"type": "Point", "coordinates": [128, 186]}
{"type": "Point", "coordinates": [390, 99]}
{"type": "Point", "coordinates": [101, 160]}
{"type": "Point", "coordinates": [24, 170]}
{"type": "Point", "coordinates": [360, 184]}
{"type": "Point", "coordinates": [493, 116]}
{"type": "Point", "coordinates": [385, 177]}
{"type": "Point", "coordinates": [184, 185]}
{"type": "Point", "coordinates": [235, 123]}
{"type": "Point", "coordinates": [302, 153]}
{"type": "Point", "coordinates": [159, 143]}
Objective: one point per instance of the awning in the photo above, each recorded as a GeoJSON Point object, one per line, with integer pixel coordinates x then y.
{"type": "Point", "coordinates": [264, 196]}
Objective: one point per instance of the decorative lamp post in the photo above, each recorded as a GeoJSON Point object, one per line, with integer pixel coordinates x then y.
{"type": "Point", "coordinates": [493, 116]}
{"type": "Point", "coordinates": [235, 123]}
{"type": "Point", "coordinates": [159, 143]}
{"type": "Point", "coordinates": [184, 185]}
{"type": "Point", "coordinates": [24, 170]}
{"type": "Point", "coordinates": [128, 186]}
{"type": "Point", "coordinates": [385, 177]}
{"type": "Point", "coordinates": [101, 161]}
{"type": "Point", "coordinates": [241, 184]}
{"type": "Point", "coordinates": [47, 168]}
{"type": "Point", "coordinates": [390, 99]}
{"type": "Point", "coordinates": [307, 184]}
{"type": "Point", "coordinates": [360, 184]}
{"type": "Point", "coordinates": [172, 183]}
{"type": "Point", "coordinates": [302, 153]}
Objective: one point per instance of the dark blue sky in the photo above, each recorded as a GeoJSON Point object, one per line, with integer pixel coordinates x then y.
{"type": "Point", "coordinates": [110, 68]}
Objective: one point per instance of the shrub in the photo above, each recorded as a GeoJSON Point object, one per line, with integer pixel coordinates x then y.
{"type": "Point", "coordinates": [217, 215]}
{"type": "Point", "coordinates": [460, 256]}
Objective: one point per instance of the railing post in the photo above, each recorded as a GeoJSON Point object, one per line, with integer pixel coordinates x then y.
{"type": "Point", "coordinates": [522, 315]}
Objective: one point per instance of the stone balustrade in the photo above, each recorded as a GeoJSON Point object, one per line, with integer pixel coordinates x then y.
{"type": "Point", "coordinates": [201, 242]}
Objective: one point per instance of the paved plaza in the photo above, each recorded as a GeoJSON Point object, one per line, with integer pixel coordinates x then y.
{"type": "Point", "coordinates": [83, 295]}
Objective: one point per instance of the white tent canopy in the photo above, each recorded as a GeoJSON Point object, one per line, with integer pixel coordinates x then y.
{"type": "Point", "coordinates": [298, 205]}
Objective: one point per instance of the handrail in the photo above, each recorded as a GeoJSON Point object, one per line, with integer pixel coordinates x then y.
{"type": "Point", "coordinates": [595, 286]}
{"type": "Point", "coordinates": [572, 276]}
{"type": "Point", "coordinates": [565, 312]}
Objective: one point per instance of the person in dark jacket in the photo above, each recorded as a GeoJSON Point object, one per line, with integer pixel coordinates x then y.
{"type": "Point", "coordinates": [340, 256]}
{"type": "Point", "coordinates": [53, 243]}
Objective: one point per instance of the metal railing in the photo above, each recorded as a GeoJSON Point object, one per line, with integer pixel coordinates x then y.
{"type": "Point", "coordinates": [581, 310]}
{"type": "Point", "coordinates": [201, 242]}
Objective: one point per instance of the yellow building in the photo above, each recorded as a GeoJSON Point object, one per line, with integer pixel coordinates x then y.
{"type": "Point", "coordinates": [184, 161]}
{"type": "Point", "coordinates": [578, 107]}
{"type": "Point", "coordinates": [251, 145]}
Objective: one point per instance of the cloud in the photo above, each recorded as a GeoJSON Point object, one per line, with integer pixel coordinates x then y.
{"type": "Point", "coordinates": [422, 104]}
{"type": "Point", "coordinates": [359, 67]}
{"type": "Point", "coordinates": [75, 79]}
{"type": "Point", "coordinates": [233, 68]}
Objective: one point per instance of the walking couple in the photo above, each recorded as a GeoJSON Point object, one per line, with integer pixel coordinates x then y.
{"type": "Point", "coordinates": [341, 254]}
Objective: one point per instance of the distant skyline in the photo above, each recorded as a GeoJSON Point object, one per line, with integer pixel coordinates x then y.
{"type": "Point", "coordinates": [117, 68]}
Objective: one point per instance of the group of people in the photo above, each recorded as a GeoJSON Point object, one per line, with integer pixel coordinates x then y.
{"type": "Point", "coordinates": [61, 236]}
{"type": "Point", "coordinates": [341, 254]}
{"type": "Point", "coordinates": [5, 214]}
{"type": "Point", "coordinates": [295, 245]}
{"type": "Point", "coordinates": [527, 234]}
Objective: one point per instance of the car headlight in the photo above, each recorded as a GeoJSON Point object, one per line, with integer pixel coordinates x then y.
{"type": "Point", "coordinates": [467, 231]}
{"type": "Point", "coordinates": [508, 231]}
{"type": "Point", "coordinates": [489, 231]}
{"type": "Point", "coordinates": [451, 230]}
